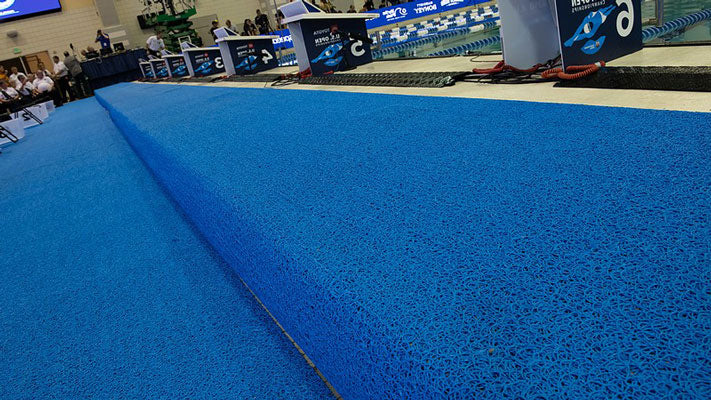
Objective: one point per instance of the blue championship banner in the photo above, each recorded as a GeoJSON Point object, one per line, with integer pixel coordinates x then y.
{"type": "Point", "coordinates": [391, 15]}
{"type": "Point", "coordinates": [146, 70]}
{"type": "Point", "coordinates": [598, 30]}
{"type": "Point", "coordinates": [283, 41]}
{"type": "Point", "coordinates": [206, 61]}
{"type": "Point", "coordinates": [416, 9]}
{"type": "Point", "coordinates": [252, 56]}
{"type": "Point", "coordinates": [160, 68]}
{"type": "Point", "coordinates": [177, 66]}
{"type": "Point", "coordinates": [328, 47]}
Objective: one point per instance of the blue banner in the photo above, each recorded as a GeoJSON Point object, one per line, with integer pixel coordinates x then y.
{"type": "Point", "coordinates": [13, 9]}
{"type": "Point", "coordinates": [599, 30]}
{"type": "Point", "coordinates": [283, 41]}
{"type": "Point", "coordinates": [391, 15]}
{"type": "Point", "coordinates": [416, 9]}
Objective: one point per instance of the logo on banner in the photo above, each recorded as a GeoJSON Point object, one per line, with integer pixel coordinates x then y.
{"type": "Point", "coordinates": [4, 5]}
{"type": "Point", "coordinates": [248, 64]}
{"type": "Point", "coordinates": [282, 39]}
{"type": "Point", "coordinates": [395, 13]}
{"type": "Point", "coordinates": [450, 3]}
{"type": "Point", "coordinates": [329, 55]}
{"type": "Point", "coordinates": [595, 30]}
{"type": "Point", "coordinates": [425, 7]}
{"type": "Point", "coordinates": [180, 70]}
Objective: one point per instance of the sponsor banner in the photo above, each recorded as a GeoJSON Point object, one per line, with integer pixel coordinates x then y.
{"type": "Point", "coordinates": [206, 62]}
{"type": "Point", "coordinates": [328, 48]}
{"type": "Point", "coordinates": [177, 66]}
{"type": "Point", "coordinates": [392, 15]}
{"type": "Point", "coordinates": [160, 68]}
{"type": "Point", "coordinates": [146, 70]}
{"type": "Point", "coordinates": [252, 56]}
{"type": "Point", "coordinates": [416, 9]}
{"type": "Point", "coordinates": [598, 30]}
{"type": "Point", "coordinates": [283, 41]}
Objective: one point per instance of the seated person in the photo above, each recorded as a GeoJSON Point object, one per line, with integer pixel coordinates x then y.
{"type": "Point", "coordinates": [16, 74]}
{"type": "Point", "coordinates": [8, 96]}
{"type": "Point", "coordinates": [44, 85]}
{"type": "Point", "coordinates": [41, 67]}
{"type": "Point", "coordinates": [14, 83]}
{"type": "Point", "coordinates": [7, 93]}
{"type": "Point", "coordinates": [27, 89]}
{"type": "Point", "coordinates": [90, 53]}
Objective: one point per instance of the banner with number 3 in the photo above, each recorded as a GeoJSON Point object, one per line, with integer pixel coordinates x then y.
{"type": "Point", "coordinates": [598, 30]}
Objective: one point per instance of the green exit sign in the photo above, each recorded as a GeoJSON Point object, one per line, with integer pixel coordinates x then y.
{"type": "Point", "coordinates": [16, 50]}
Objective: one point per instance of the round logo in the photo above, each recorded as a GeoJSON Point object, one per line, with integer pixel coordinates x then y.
{"type": "Point", "coordinates": [6, 4]}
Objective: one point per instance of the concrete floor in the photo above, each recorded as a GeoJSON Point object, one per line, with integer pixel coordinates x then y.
{"type": "Point", "coordinates": [538, 92]}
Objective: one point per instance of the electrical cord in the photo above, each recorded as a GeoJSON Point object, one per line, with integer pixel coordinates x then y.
{"type": "Point", "coordinates": [570, 72]}
{"type": "Point", "coordinates": [552, 69]}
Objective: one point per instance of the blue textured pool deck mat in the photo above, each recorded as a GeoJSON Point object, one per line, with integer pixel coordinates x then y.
{"type": "Point", "coordinates": [413, 247]}
{"type": "Point", "coordinates": [106, 292]}
{"type": "Point", "coordinates": [437, 248]}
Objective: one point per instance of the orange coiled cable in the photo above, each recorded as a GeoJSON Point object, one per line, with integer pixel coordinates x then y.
{"type": "Point", "coordinates": [502, 66]}
{"type": "Point", "coordinates": [583, 70]}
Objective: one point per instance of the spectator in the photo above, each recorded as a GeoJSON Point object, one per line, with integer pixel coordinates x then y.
{"type": "Point", "coordinates": [61, 76]}
{"type": "Point", "coordinates": [77, 74]}
{"type": "Point", "coordinates": [262, 22]}
{"type": "Point", "coordinates": [279, 16]}
{"type": "Point", "coordinates": [45, 86]}
{"type": "Point", "coordinates": [14, 83]}
{"type": "Point", "coordinates": [394, 2]}
{"type": "Point", "coordinates": [352, 9]}
{"type": "Point", "coordinates": [228, 25]}
{"type": "Point", "coordinates": [249, 28]}
{"type": "Point", "coordinates": [368, 5]}
{"type": "Point", "coordinates": [103, 38]}
{"type": "Point", "coordinates": [155, 44]}
{"type": "Point", "coordinates": [91, 53]}
{"type": "Point", "coordinates": [8, 93]}
{"type": "Point", "coordinates": [215, 25]}
{"type": "Point", "coordinates": [325, 6]}
{"type": "Point", "coordinates": [15, 75]}
{"type": "Point", "coordinates": [382, 4]}
{"type": "Point", "coordinates": [41, 67]}
{"type": "Point", "coordinates": [27, 89]}
{"type": "Point", "coordinates": [3, 73]}
{"type": "Point", "coordinates": [43, 83]}
{"type": "Point", "coordinates": [8, 96]}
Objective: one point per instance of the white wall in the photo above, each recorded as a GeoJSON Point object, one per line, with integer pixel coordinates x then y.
{"type": "Point", "coordinates": [77, 24]}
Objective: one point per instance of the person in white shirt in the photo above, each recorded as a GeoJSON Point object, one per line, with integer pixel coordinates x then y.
{"type": "Point", "coordinates": [155, 44]}
{"type": "Point", "coordinates": [42, 83]}
{"type": "Point", "coordinates": [14, 83]}
{"type": "Point", "coordinates": [41, 67]}
{"type": "Point", "coordinates": [27, 89]}
{"type": "Point", "coordinates": [45, 86]}
{"type": "Point", "coordinates": [61, 75]}
{"type": "Point", "coordinates": [15, 75]}
{"type": "Point", "coordinates": [8, 96]}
